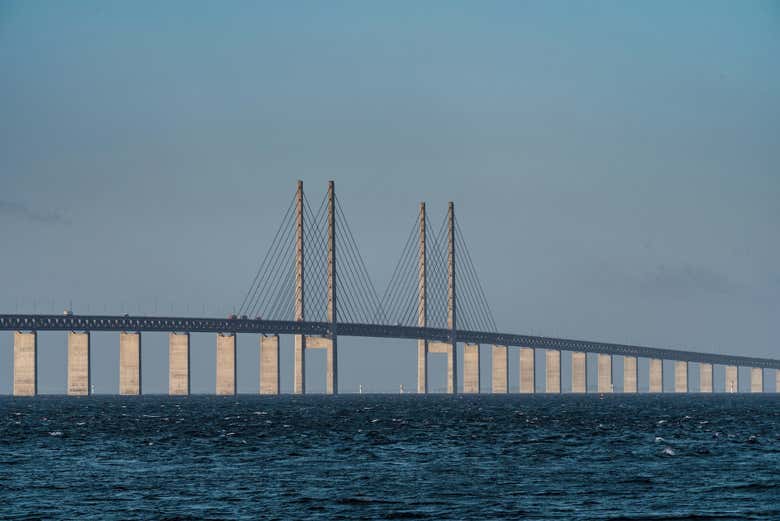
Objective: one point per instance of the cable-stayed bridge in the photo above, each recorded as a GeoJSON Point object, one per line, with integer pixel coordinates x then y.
{"type": "Point", "coordinates": [314, 284]}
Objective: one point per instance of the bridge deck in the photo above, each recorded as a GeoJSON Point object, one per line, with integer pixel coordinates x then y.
{"type": "Point", "coordinates": [221, 325]}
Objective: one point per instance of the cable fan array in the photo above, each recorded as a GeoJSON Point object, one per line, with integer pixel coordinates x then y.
{"type": "Point", "coordinates": [401, 302]}
{"type": "Point", "coordinates": [272, 294]}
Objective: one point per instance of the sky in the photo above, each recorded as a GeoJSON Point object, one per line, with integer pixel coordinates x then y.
{"type": "Point", "coordinates": [614, 165]}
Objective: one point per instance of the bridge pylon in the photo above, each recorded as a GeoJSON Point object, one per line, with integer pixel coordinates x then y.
{"type": "Point", "coordinates": [331, 368]}
{"type": "Point", "coordinates": [299, 340]}
{"type": "Point", "coordinates": [452, 386]}
{"type": "Point", "coordinates": [422, 306]}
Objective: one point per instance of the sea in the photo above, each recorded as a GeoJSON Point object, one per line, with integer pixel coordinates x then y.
{"type": "Point", "coordinates": [613, 457]}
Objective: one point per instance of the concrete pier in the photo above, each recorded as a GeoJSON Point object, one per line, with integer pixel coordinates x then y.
{"type": "Point", "coordinates": [25, 363]}
{"type": "Point", "coordinates": [605, 373]}
{"type": "Point", "coordinates": [129, 363]}
{"type": "Point", "coordinates": [500, 367]}
{"type": "Point", "coordinates": [681, 376]}
{"type": "Point", "coordinates": [299, 362]}
{"type": "Point", "coordinates": [732, 379]}
{"type": "Point", "coordinates": [331, 368]}
{"type": "Point", "coordinates": [579, 372]}
{"type": "Point", "coordinates": [422, 367]}
{"type": "Point", "coordinates": [756, 380]}
{"type": "Point", "coordinates": [226, 364]}
{"type": "Point", "coordinates": [630, 375]}
{"type": "Point", "coordinates": [447, 349]}
{"type": "Point", "coordinates": [777, 380]}
{"type": "Point", "coordinates": [179, 363]}
{"type": "Point", "coordinates": [656, 376]}
{"type": "Point", "coordinates": [269, 364]}
{"type": "Point", "coordinates": [79, 383]}
{"type": "Point", "coordinates": [471, 368]}
{"type": "Point", "coordinates": [705, 377]}
{"type": "Point", "coordinates": [553, 372]}
{"type": "Point", "coordinates": [527, 370]}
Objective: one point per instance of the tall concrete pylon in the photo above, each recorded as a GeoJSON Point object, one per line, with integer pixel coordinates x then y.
{"type": "Point", "coordinates": [451, 299]}
{"type": "Point", "coordinates": [331, 364]}
{"type": "Point", "coordinates": [422, 306]}
{"type": "Point", "coordinates": [299, 382]}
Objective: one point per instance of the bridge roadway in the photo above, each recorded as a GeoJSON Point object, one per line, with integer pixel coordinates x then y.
{"type": "Point", "coordinates": [222, 325]}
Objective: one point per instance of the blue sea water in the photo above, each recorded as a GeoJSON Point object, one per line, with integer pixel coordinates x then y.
{"type": "Point", "coordinates": [391, 457]}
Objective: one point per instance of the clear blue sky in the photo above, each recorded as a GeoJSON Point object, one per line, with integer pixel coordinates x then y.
{"type": "Point", "coordinates": [615, 164]}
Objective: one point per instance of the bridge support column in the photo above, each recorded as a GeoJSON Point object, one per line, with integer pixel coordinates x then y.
{"type": "Point", "coordinates": [756, 380]}
{"type": "Point", "coordinates": [78, 364]}
{"type": "Point", "coordinates": [553, 373]}
{"type": "Point", "coordinates": [777, 380]}
{"type": "Point", "coordinates": [579, 372]}
{"type": "Point", "coordinates": [269, 364]}
{"type": "Point", "coordinates": [179, 364]}
{"type": "Point", "coordinates": [299, 376]}
{"type": "Point", "coordinates": [451, 369]}
{"type": "Point", "coordinates": [630, 375]}
{"type": "Point", "coordinates": [331, 367]}
{"type": "Point", "coordinates": [471, 368]}
{"type": "Point", "coordinates": [331, 360]}
{"type": "Point", "coordinates": [25, 363]}
{"type": "Point", "coordinates": [732, 379]}
{"type": "Point", "coordinates": [681, 376]}
{"type": "Point", "coordinates": [527, 370]}
{"type": "Point", "coordinates": [705, 378]}
{"type": "Point", "coordinates": [447, 349]}
{"type": "Point", "coordinates": [422, 367]}
{"type": "Point", "coordinates": [656, 376]}
{"type": "Point", "coordinates": [605, 373]}
{"type": "Point", "coordinates": [226, 364]}
{"type": "Point", "coordinates": [500, 370]}
{"type": "Point", "coordinates": [129, 363]}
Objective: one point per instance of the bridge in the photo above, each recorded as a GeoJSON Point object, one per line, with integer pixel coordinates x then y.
{"type": "Point", "coordinates": [304, 289]}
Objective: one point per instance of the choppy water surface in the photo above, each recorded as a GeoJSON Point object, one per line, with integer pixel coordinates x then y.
{"type": "Point", "coordinates": [387, 457]}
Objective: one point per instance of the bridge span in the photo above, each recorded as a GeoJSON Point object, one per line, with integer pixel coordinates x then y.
{"type": "Point", "coordinates": [304, 289]}
{"type": "Point", "coordinates": [79, 327]}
